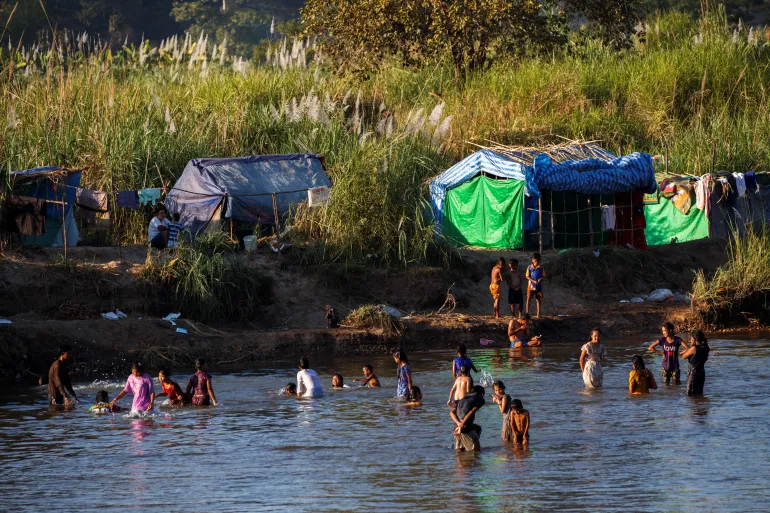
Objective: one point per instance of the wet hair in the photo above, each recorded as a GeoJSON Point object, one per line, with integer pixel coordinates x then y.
{"type": "Point", "coordinates": [102, 397]}
{"type": "Point", "coordinates": [291, 388]}
{"type": "Point", "coordinates": [516, 404]}
{"type": "Point", "coordinates": [401, 355]}
{"type": "Point", "coordinates": [342, 381]}
{"type": "Point", "coordinates": [414, 392]}
{"type": "Point", "coordinates": [478, 389]}
{"type": "Point", "coordinates": [304, 363]}
{"type": "Point", "coordinates": [499, 384]}
{"type": "Point", "coordinates": [369, 367]}
{"type": "Point", "coordinates": [501, 261]}
{"type": "Point", "coordinates": [137, 366]}
{"type": "Point", "coordinates": [200, 363]}
{"type": "Point", "coordinates": [513, 261]}
{"type": "Point", "coordinates": [596, 329]}
{"type": "Point", "coordinates": [698, 336]}
{"type": "Point", "coordinates": [461, 349]}
{"type": "Point", "coordinates": [669, 326]}
{"type": "Point", "coordinates": [527, 317]}
{"type": "Point", "coordinates": [638, 363]}
{"type": "Point", "coordinates": [165, 371]}
{"type": "Point", "coordinates": [64, 349]}
{"type": "Point", "coordinates": [536, 256]}
{"type": "Point", "coordinates": [176, 217]}
{"type": "Point", "coordinates": [463, 370]}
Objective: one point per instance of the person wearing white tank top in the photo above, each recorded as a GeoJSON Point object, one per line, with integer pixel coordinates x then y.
{"type": "Point", "coordinates": [308, 382]}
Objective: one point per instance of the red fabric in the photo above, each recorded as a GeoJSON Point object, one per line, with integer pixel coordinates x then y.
{"type": "Point", "coordinates": [629, 220]}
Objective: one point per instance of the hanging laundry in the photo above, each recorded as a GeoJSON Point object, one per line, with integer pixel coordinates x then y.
{"type": "Point", "coordinates": [703, 194]}
{"type": "Point", "coordinates": [91, 200]}
{"type": "Point", "coordinates": [729, 196]}
{"type": "Point", "coordinates": [608, 217]}
{"type": "Point", "coordinates": [652, 198]}
{"type": "Point", "coordinates": [751, 181]}
{"type": "Point", "coordinates": [25, 216]}
{"type": "Point", "coordinates": [740, 184]}
{"type": "Point", "coordinates": [128, 199]}
{"type": "Point", "coordinates": [683, 200]}
{"type": "Point", "coordinates": [148, 196]}
{"type": "Point", "coordinates": [667, 189]}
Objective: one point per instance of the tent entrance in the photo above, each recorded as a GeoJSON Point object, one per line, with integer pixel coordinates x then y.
{"type": "Point", "coordinates": [486, 213]}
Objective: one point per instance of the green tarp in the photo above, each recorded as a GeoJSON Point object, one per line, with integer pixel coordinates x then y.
{"type": "Point", "coordinates": [485, 213]}
{"type": "Point", "coordinates": [665, 221]}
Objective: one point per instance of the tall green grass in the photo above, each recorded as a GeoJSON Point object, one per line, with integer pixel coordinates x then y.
{"type": "Point", "coordinates": [133, 118]}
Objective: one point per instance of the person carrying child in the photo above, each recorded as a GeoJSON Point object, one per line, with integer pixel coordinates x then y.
{"type": "Point", "coordinates": [640, 379]}
{"type": "Point", "coordinates": [494, 286]}
{"type": "Point", "coordinates": [519, 423]}
{"type": "Point", "coordinates": [462, 359]}
{"type": "Point", "coordinates": [670, 343]}
{"type": "Point", "coordinates": [199, 388]}
{"type": "Point", "coordinates": [463, 414]}
{"type": "Point", "coordinates": [171, 389]}
{"type": "Point", "coordinates": [535, 276]}
{"type": "Point", "coordinates": [139, 384]}
{"type": "Point", "coordinates": [503, 401]}
{"type": "Point", "coordinates": [370, 379]}
{"type": "Point", "coordinates": [462, 386]}
{"type": "Point", "coordinates": [102, 404]}
{"type": "Point", "coordinates": [515, 295]}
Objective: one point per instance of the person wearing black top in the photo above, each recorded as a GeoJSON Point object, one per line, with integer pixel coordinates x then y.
{"type": "Point", "coordinates": [696, 355]}
{"type": "Point", "coordinates": [59, 382]}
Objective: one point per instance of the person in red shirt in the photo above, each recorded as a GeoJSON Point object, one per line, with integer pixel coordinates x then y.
{"type": "Point", "coordinates": [171, 388]}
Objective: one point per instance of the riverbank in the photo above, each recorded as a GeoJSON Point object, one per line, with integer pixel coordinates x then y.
{"type": "Point", "coordinates": [52, 301]}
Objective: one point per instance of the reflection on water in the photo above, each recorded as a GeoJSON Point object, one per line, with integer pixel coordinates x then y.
{"type": "Point", "coordinates": [590, 451]}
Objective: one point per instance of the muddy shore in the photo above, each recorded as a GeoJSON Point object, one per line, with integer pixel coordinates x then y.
{"type": "Point", "coordinates": [51, 302]}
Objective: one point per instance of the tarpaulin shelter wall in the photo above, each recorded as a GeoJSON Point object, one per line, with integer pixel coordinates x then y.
{"type": "Point", "coordinates": [243, 189]}
{"type": "Point", "coordinates": [665, 223]}
{"type": "Point", "coordinates": [58, 187]}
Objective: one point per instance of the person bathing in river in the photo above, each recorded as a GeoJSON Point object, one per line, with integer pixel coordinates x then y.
{"type": "Point", "coordinates": [338, 383]}
{"type": "Point", "coordinates": [102, 404]}
{"type": "Point", "coordinates": [462, 359]}
{"type": "Point", "coordinates": [519, 423]}
{"type": "Point", "coordinates": [59, 382]}
{"type": "Point", "coordinates": [696, 355]}
{"type": "Point", "coordinates": [670, 343]}
{"type": "Point", "coordinates": [535, 276]}
{"type": "Point", "coordinates": [171, 389]}
{"type": "Point", "coordinates": [463, 414]}
{"type": "Point", "coordinates": [518, 333]}
{"type": "Point", "coordinates": [369, 379]}
{"type": "Point", "coordinates": [515, 296]}
{"type": "Point", "coordinates": [503, 401]}
{"type": "Point", "coordinates": [494, 286]}
{"type": "Point", "coordinates": [308, 382]}
{"type": "Point", "coordinates": [462, 386]}
{"type": "Point", "coordinates": [199, 388]}
{"type": "Point", "coordinates": [591, 357]}
{"type": "Point", "coordinates": [404, 374]}
{"type": "Point", "coordinates": [640, 380]}
{"type": "Point", "coordinates": [139, 384]}
{"type": "Point", "coordinates": [415, 397]}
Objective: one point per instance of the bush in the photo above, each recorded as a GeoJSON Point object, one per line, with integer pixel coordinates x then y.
{"type": "Point", "coordinates": [373, 317]}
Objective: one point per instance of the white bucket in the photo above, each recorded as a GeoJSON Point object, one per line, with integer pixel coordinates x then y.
{"type": "Point", "coordinates": [250, 243]}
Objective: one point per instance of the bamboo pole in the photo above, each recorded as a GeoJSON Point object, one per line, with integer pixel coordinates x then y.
{"type": "Point", "coordinates": [553, 231]}
{"type": "Point", "coordinates": [275, 215]}
{"type": "Point", "coordinates": [590, 223]}
{"type": "Point", "coordinates": [540, 219]}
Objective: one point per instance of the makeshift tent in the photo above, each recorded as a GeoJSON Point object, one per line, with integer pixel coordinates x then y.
{"type": "Point", "coordinates": [665, 223]}
{"type": "Point", "coordinates": [57, 186]}
{"type": "Point", "coordinates": [244, 188]}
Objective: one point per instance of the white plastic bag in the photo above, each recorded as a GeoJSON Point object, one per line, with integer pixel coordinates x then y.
{"type": "Point", "coordinates": [660, 295]}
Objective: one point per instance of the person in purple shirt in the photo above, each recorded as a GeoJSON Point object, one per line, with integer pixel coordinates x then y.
{"type": "Point", "coordinates": [670, 344]}
{"type": "Point", "coordinates": [140, 384]}
{"type": "Point", "coordinates": [462, 359]}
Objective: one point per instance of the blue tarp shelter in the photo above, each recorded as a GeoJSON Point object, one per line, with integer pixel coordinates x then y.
{"type": "Point", "coordinates": [242, 188]}
{"type": "Point", "coordinates": [58, 187]}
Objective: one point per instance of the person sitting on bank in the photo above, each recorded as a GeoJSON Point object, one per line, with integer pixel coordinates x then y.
{"type": "Point", "coordinates": [158, 231]}
{"type": "Point", "coordinates": [518, 333]}
{"type": "Point", "coordinates": [59, 382]}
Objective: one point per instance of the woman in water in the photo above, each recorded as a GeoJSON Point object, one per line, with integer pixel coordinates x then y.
{"type": "Point", "coordinates": [670, 344]}
{"type": "Point", "coordinates": [308, 382]}
{"type": "Point", "coordinates": [171, 388]}
{"type": "Point", "coordinates": [696, 355]}
{"type": "Point", "coordinates": [591, 357]}
{"type": "Point", "coordinates": [503, 401]}
{"type": "Point", "coordinates": [640, 380]}
{"type": "Point", "coordinates": [404, 374]}
{"type": "Point", "coordinates": [199, 388]}
{"type": "Point", "coordinates": [140, 384]}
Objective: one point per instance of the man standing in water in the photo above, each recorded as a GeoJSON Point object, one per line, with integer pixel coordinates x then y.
{"type": "Point", "coordinates": [59, 382]}
{"type": "Point", "coordinates": [464, 414]}
{"type": "Point", "coordinates": [494, 286]}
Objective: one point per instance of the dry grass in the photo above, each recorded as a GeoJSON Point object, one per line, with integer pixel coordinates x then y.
{"type": "Point", "coordinates": [372, 317]}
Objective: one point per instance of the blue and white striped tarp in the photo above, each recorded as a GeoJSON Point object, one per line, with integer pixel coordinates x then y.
{"type": "Point", "coordinates": [486, 161]}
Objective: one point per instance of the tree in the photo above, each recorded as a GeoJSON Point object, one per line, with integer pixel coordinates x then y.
{"type": "Point", "coordinates": [358, 33]}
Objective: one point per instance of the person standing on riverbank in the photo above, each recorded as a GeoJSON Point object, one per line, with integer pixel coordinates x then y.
{"type": "Point", "coordinates": [535, 276]}
{"type": "Point", "coordinates": [494, 286]}
{"type": "Point", "coordinates": [670, 343]}
{"type": "Point", "coordinates": [308, 382]}
{"type": "Point", "coordinates": [139, 384]}
{"type": "Point", "coordinates": [59, 382]}
{"type": "Point", "coordinates": [515, 295]}
{"type": "Point", "coordinates": [463, 414]}
{"type": "Point", "coordinates": [591, 357]}
{"type": "Point", "coordinates": [404, 374]}
{"type": "Point", "coordinates": [696, 355]}
{"type": "Point", "coordinates": [199, 388]}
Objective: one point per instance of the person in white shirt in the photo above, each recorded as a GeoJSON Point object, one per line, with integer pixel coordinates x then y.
{"type": "Point", "coordinates": [308, 382]}
{"type": "Point", "coordinates": [157, 233]}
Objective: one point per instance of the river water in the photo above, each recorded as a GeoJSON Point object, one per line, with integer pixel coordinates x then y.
{"type": "Point", "coordinates": [359, 450]}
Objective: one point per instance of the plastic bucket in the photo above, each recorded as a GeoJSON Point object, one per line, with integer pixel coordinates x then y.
{"type": "Point", "coordinates": [250, 243]}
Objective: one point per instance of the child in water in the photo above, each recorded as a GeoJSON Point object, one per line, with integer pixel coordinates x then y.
{"type": "Point", "coordinates": [369, 379]}
{"type": "Point", "coordinates": [670, 343]}
{"type": "Point", "coordinates": [640, 380]}
{"type": "Point", "coordinates": [462, 359]}
{"type": "Point", "coordinates": [199, 388]}
{"type": "Point", "coordinates": [338, 383]}
{"type": "Point", "coordinates": [519, 423]}
{"type": "Point", "coordinates": [415, 397]}
{"type": "Point", "coordinates": [171, 388]}
{"type": "Point", "coordinates": [503, 401]}
{"type": "Point", "coordinates": [102, 405]}
{"type": "Point", "coordinates": [461, 387]}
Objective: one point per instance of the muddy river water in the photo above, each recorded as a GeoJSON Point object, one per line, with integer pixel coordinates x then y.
{"type": "Point", "coordinates": [359, 450]}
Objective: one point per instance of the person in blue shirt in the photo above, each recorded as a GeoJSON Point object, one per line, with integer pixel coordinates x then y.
{"type": "Point", "coordinates": [462, 359]}
{"type": "Point", "coordinates": [174, 229]}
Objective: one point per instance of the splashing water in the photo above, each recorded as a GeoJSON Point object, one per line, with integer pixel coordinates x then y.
{"type": "Point", "coordinates": [486, 379]}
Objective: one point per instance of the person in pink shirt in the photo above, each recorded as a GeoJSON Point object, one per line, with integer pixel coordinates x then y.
{"type": "Point", "coordinates": [140, 384]}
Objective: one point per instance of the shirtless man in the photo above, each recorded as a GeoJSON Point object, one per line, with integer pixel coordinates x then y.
{"type": "Point", "coordinates": [518, 333]}
{"type": "Point", "coordinates": [515, 295]}
{"type": "Point", "coordinates": [519, 423]}
{"type": "Point", "coordinates": [494, 286]}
